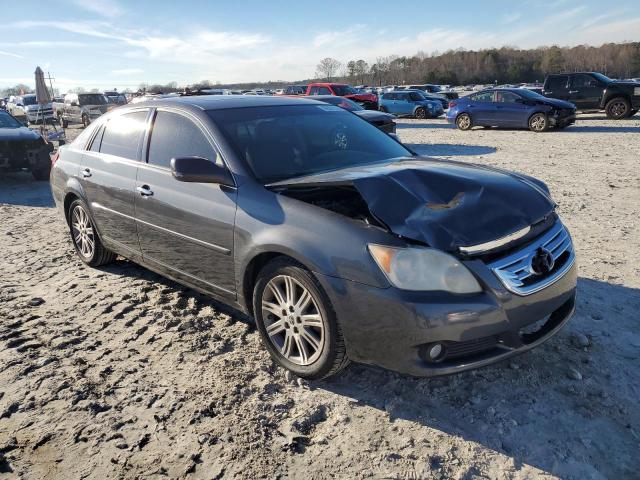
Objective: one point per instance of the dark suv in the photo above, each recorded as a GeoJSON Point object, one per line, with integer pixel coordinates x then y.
{"type": "Point", "coordinates": [593, 91]}
{"type": "Point", "coordinates": [336, 238]}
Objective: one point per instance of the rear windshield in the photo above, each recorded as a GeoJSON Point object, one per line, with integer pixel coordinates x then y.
{"type": "Point", "coordinates": [7, 121]}
{"type": "Point", "coordinates": [282, 142]}
{"type": "Point", "coordinates": [92, 99]}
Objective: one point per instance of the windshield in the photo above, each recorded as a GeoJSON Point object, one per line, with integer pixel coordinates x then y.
{"type": "Point", "coordinates": [342, 90]}
{"type": "Point", "coordinates": [295, 140]}
{"type": "Point", "coordinates": [343, 103]}
{"type": "Point", "coordinates": [92, 99]}
{"type": "Point", "coordinates": [29, 100]}
{"type": "Point", "coordinates": [7, 121]}
{"type": "Point", "coordinates": [602, 78]}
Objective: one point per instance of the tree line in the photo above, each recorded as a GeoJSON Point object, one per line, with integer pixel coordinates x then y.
{"type": "Point", "coordinates": [504, 65]}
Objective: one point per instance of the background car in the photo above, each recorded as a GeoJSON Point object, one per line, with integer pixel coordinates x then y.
{"type": "Point", "coordinates": [26, 107]}
{"type": "Point", "coordinates": [435, 90]}
{"type": "Point", "coordinates": [23, 148]}
{"type": "Point", "coordinates": [383, 121]}
{"type": "Point", "coordinates": [367, 100]}
{"type": "Point", "coordinates": [411, 103]}
{"type": "Point", "coordinates": [515, 108]}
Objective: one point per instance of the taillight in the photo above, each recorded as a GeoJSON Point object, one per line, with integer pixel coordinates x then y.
{"type": "Point", "coordinates": [452, 104]}
{"type": "Point", "coordinates": [54, 157]}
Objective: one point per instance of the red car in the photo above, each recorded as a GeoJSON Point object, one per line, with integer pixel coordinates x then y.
{"type": "Point", "coordinates": [367, 100]}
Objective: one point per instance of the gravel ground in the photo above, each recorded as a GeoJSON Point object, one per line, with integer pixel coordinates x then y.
{"type": "Point", "coordinates": [120, 373]}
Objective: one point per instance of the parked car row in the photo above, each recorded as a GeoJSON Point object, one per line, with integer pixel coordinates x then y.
{"type": "Point", "coordinates": [23, 148]}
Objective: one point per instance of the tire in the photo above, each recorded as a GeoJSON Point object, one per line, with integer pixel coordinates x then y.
{"type": "Point", "coordinates": [85, 121]}
{"type": "Point", "coordinates": [420, 113]}
{"type": "Point", "coordinates": [618, 108]}
{"type": "Point", "coordinates": [317, 353]}
{"type": "Point", "coordinates": [538, 122]}
{"type": "Point", "coordinates": [463, 121]}
{"type": "Point", "coordinates": [93, 254]}
{"type": "Point", "coordinates": [41, 174]}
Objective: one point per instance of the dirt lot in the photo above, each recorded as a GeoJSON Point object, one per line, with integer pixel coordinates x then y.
{"type": "Point", "coordinates": [119, 373]}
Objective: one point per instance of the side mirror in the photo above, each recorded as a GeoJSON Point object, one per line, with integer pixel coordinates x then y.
{"type": "Point", "coordinates": [200, 170]}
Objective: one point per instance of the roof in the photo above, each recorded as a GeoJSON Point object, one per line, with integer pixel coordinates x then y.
{"type": "Point", "coordinates": [218, 102]}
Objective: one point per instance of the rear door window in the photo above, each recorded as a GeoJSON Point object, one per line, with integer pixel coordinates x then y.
{"type": "Point", "coordinates": [482, 97]}
{"type": "Point", "coordinates": [173, 136]}
{"type": "Point", "coordinates": [506, 97]}
{"type": "Point", "coordinates": [122, 134]}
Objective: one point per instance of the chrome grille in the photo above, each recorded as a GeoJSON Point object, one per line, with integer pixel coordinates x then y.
{"type": "Point", "coordinates": [514, 271]}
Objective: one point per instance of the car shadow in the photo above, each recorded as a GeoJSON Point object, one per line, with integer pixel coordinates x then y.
{"type": "Point", "coordinates": [600, 129]}
{"type": "Point", "coordinates": [445, 149]}
{"type": "Point", "coordinates": [528, 408]}
{"type": "Point", "coordinates": [19, 188]}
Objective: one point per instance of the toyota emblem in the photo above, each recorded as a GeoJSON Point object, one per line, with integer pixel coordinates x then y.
{"type": "Point", "coordinates": [542, 262]}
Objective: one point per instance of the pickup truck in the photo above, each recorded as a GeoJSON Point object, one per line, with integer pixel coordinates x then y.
{"type": "Point", "coordinates": [80, 108]}
{"type": "Point", "coordinates": [26, 108]}
{"type": "Point", "coordinates": [590, 91]}
{"type": "Point", "coordinates": [366, 100]}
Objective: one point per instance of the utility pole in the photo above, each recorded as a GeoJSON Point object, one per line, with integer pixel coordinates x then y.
{"type": "Point", "coordinates": [50, 78]}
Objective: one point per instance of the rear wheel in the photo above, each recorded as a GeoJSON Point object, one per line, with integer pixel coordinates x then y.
{"type": "Point", "coordinates": [421, 113]}
{"type": "Point", "coordinates": [85, 238]}
{"type": "Point", "coordinates": [618, 108]}
{"type": "Point", "coordinates": [538, 123]}
{"type": "Point", "coordinates": [463, 122]}
{"type": "Point", "coordinates": [296, 321]}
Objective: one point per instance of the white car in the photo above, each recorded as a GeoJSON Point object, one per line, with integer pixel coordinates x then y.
{"type": "Point", "coordinates": [26, 107]}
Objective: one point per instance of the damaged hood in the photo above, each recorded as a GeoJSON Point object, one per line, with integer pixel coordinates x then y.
{"type": "Point", "coordinates": [444, 204]}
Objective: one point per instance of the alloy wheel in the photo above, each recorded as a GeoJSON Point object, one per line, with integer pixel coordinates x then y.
{"type": "Point", "coordinates": [293, 320]}
{"type": "Point", "coordinates": [464, 122]}
{"type": "Point", "coordinates": [82, 232]}
{"type": "Point", "coordinates": [618, 109]}
{"type": "Point", "coordinates": [538, 123]}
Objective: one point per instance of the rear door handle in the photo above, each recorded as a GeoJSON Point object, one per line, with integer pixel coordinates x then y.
{"type": "Point", "coordinates": [86, 173]}
{"type": "Point", "coordinates": [144, 190]}
{"type": "Point", "coordinates": [573, 91]}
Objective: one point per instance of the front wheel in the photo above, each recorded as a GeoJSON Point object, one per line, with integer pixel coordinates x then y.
{"type": "Point", "coordinates": [618, 108]}
{"type": "Point", "coordinates": [538, 123]}
{"type": "Point", "coordinates": [463, 122]}
{"type": "Point", "coordinates": [296, 321]}
{"type": "Point", "coordinates": [85, 238]}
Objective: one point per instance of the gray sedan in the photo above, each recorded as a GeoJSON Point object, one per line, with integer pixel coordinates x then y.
{"type": "Point", "coordinates": [340, 242]}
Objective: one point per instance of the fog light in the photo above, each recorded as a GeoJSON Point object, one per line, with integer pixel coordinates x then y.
{"type": "Point", "coordinates": [435, 351]}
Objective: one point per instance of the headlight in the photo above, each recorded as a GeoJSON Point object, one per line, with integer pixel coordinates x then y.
{"type": "Point", "coordinates": [424, 269]}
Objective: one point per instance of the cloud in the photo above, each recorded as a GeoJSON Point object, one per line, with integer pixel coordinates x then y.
{"type": "Point", "coordinates": [106, 8]}
{"type": "Point", "coordinates": [9, 54]}
{"type": "Point", "coordinates": [511, 17]}
{"type": "Point", "coordinates": [128, 71]}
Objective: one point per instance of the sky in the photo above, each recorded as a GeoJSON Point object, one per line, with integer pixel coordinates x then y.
{"type": "Point", "coordinates": [121, 43]}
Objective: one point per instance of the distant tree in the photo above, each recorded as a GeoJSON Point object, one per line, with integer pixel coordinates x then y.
{"type": "Point", "coordinates": [351, 68]}
{"type": "Point", "coordinates": [327, 68]}
{"type": "Point", "coordinates": [361, 68]}
{"type": "Point", "coordinates": [18, 89]}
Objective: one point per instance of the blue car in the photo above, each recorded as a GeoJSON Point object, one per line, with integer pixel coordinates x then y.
{"type": "Point", "coordinates": [412, 103]}
{"type": "Point", "coordinates": [510, 107]}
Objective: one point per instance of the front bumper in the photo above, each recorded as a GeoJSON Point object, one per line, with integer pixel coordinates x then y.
{"type": "Point", "coordinates": [393, 328]}
{"type": "Point", "coordinates": [39, 117]}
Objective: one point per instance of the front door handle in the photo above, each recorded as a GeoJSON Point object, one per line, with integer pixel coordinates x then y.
{"type": "Point", "coordinates": [144, 190]}
{"type": "Point", "coordinates": [86, 173]}
{"type": "Point", "coordinates": [573, 91]}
